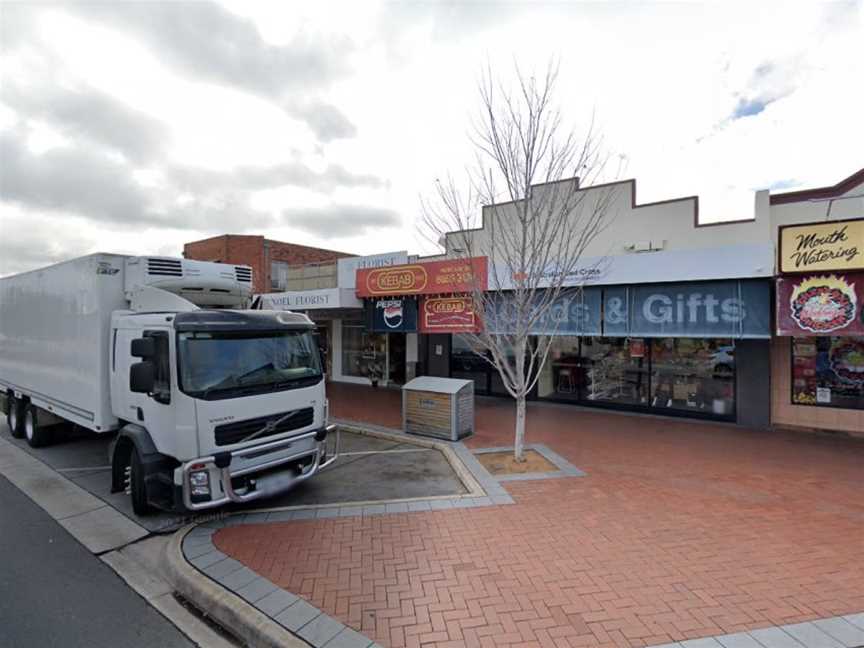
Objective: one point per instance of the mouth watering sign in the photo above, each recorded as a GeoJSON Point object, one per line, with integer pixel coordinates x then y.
{"type": "Point", "coordinates": [431, 278]}
{"type": "Point", "coordinates": [448, 315]}
{"type": "Point", "coordinates": [816, 247]}
{"type": "Point", "coordinates": [826, 304]}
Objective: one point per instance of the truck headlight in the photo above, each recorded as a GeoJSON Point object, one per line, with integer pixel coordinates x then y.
{"type": "Point", "coordinates": [199, 480]}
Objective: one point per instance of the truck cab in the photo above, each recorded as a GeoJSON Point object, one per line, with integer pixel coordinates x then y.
{"type": "Point", "coordinates": [210, 403]}
{"type": "Point", "coordinates": [222, 406]}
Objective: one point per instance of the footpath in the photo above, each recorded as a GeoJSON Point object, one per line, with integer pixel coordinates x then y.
{"type": "Point", "coordinates": [646, 532]}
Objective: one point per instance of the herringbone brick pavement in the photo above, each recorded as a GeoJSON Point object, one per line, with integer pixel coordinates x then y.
{"type": "Point", "coordinates": [680, 530]}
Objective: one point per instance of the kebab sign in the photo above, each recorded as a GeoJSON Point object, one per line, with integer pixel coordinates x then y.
{"type": "Point", "coordinates": [431, 278]}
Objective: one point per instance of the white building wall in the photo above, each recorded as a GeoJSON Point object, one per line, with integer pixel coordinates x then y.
{"type": "Point", "coordinates": [680, 247]}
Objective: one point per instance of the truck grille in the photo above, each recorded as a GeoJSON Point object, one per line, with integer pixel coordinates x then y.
{"type": "Point", "coordinates": [243, 274]}
{"type": "Point", "coordinates": [235, 432]}
{"type": "Point", "coordinates": [165, 267]}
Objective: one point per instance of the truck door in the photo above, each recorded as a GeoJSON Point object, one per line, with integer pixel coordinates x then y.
{"type": "Point", "coordinates": [154, 411]}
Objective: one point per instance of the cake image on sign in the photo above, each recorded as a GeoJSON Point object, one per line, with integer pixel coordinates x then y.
{"type": "Point", "coordinates": [823, 304]}
{"type": "Point", "coordinates": [847, 361]}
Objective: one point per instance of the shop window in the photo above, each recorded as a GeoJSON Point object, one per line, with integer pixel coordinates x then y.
{"type": "Point", "coordinates": [278, 276]}
{"type": "Point", "coordinates": [564, 374]}
{"type": "Point", "coordinates": [696, 375]}
{"type": "Point", "coordinates": [468, 362]}
{"type": "Point", "coordinates": [363, 353]}
{"type": "Point", "coordinates": [828, 371]}
{"type": "Point", "coordinates": [615, 370]}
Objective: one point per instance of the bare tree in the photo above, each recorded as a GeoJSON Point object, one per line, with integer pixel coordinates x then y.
{"type": "Point", "coordinates": [523, 209]}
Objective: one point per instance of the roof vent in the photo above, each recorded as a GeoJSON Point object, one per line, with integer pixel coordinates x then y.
{"type": "Point", "coordinates": [165, 267]}
{"type": "Point", "coordinates": [243, 274]}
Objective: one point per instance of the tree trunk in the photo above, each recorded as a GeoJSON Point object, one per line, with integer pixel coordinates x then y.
{"type": "Point", "coordinates": [519, 445]}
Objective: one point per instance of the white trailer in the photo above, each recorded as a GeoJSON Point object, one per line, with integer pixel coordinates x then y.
{"type": "Point", "coordinates": [209, 404]}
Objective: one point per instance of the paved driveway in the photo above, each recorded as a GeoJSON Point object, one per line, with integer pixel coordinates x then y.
{"type": "Point", "coordinates": [368, 470]}
{"type": "Point", "coordinates": [679, 530]}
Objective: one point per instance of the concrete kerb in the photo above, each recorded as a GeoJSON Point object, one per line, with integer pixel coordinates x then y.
{"type": "Point", "coordinates": [256, 610]}
{"type": "Point", "coordinates": [834, 632]}
{"type": "Point", "coordinates": [481, 488]}
{"type": "Point", "coordinates": [243, 619]}
{"type": "Point", "coordinates": [448, 449]}
{"type": "Point", "coordinates": [259, 611]}
{"type": "Point", "coordinates": [565, 468]}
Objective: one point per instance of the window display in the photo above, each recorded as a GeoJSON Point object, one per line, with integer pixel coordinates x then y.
{"type": "Point", "coordinates": [693, 374]}
{"type": "Point", "coordinates": [613, 373]}
{"type": "Point", "coordinates": [828, 371]}
{"type": "Point", "coordinates": [363, 353]}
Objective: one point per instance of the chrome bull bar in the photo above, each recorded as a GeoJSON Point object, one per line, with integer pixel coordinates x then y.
{"type": "Point", "coordinates": [245, 495]}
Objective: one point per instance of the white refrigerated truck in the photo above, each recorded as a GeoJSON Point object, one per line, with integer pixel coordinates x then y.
{"type": "Point", "coordinates": [210, 404]}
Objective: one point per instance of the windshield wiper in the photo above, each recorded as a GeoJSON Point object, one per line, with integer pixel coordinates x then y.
{"type": "Point", "coordinates": [299, 381]}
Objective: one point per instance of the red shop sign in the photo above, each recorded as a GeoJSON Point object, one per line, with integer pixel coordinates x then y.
{"type": "Point", "coordinates": [448, 315]}
{"type": "Point", "coordinates": [434, 277]}
{"type": "Point", "coordinates": [823, 304]}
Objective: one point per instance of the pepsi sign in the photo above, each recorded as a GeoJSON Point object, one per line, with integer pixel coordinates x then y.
{"type": "Point", "coordinates": [397, 315]}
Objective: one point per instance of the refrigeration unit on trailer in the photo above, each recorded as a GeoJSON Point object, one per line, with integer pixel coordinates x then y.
{"type": "Point", "coordinates": [210, 403]}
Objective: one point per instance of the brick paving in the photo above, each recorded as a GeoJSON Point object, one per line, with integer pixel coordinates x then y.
{"type": "Point", "coordinates": [679, 530]}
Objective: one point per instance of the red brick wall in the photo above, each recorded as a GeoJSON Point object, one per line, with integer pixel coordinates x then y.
{"type": "Point", "coordinates": [229, 248]}
{"type": "Point", "coordinates": [257, 252]}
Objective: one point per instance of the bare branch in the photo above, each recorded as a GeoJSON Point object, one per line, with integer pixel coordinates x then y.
{"type": "Point", "coordinates": [528, 206]}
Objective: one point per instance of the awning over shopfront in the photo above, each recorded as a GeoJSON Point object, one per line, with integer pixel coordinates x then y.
{"type": "Point", "coordinates": [707, 309]}
{"type": "Point", "coordinates": [742, 261]}
{"type": "Point", "coordinates": [830, 303]}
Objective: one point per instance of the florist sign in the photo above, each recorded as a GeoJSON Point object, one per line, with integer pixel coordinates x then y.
{"type": "Point", "coordinates": [817, 247]}
{"type": "Point", "coordinates": [434, 277]}
{"type": "Point", "coordinates": [829, 304]}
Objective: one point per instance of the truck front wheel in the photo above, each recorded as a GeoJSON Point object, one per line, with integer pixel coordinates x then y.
{"type": "Point", "coordinates": [13, 418]}
{"type": "Point", "coordinates": [135, 485]}
{"type": "Point", "coordinates": [36, 435]}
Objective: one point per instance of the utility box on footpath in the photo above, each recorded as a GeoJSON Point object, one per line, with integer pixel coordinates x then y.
{"type": "Point", "coordinates": [438, 407]}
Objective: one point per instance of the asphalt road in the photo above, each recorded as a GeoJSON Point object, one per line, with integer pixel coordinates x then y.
{"type": "Point", "coordinates": [53, 592]}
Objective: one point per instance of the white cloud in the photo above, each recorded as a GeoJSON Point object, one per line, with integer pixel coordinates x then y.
{"type": "Point", "coordinates": [391, 101]}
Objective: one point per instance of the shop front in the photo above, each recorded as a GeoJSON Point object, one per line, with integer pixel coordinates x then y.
{"type": "Point", "coordinates": [694, 349]}
{"type": "Point", "coordinates": [375, 348]}
{"type": "Point", "coordinates": [411, 311]}
{"type": "Point", "coordinates": [818, 356]}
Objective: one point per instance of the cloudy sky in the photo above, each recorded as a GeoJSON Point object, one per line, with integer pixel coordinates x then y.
{"type": "Point", "coordinates": [134, 127]}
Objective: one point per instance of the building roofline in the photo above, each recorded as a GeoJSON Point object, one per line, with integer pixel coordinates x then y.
{"type": "Point", "coordinates": [633, 204]}
{"type": "Point", "coordinates": [818, 193]}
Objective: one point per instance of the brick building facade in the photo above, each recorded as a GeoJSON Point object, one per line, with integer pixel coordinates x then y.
{"type": "Point", "coordinates": [259, 253]}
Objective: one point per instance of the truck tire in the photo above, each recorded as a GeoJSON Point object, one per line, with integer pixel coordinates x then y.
{"type": "Point", "coordinates": [14, 419]}
{"type": "Point", "coordinates": [36, 435]}
{"type": "Point", "coordinates": [137, 487]}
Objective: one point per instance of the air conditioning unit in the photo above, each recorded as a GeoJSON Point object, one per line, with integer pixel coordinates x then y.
{"type": "Point", "coordinates": [204, 283]}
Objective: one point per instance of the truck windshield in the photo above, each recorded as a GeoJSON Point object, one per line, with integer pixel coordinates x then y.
{"type": "Point", "coordinates": [222, 365]}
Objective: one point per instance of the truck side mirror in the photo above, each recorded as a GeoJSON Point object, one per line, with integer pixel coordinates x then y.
{"type": "Point", "coordinates": [143, 347]}
{"type": "Point", "coordinates": [142, 377]}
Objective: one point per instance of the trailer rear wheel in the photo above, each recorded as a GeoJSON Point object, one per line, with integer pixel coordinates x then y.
{"type": "Point", "coordinates": [135, 485]}
{"type": "Point", "coordinates": [14, 418]}
{"type": "Point", "coordinates": [36, 435]}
